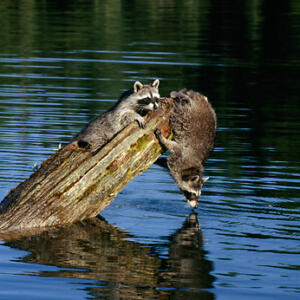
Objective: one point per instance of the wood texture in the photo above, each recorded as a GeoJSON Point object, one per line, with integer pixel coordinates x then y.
{"type": "Point", "coordinates": [75, 184]}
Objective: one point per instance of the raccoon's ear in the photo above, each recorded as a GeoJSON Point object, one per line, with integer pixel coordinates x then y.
{"type": "Point", "coordinates": [204, 179]}
{"type": "Point", "coordinates": [155, 83]}
{"type": "Point", "coordinates": [137, 86]}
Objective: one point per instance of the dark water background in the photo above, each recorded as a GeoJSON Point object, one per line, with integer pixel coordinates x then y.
{"type": "Point", "coordinates": [63, 62]}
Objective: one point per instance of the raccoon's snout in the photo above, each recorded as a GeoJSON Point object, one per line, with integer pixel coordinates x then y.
{"type": "Point", "coordinates": [193, 203]}
{"type": "Point", "coordinates": [155, 103]}
{"type": "Point", "coordinates": [192, 198]}
{"type": "Point", "coordinates": [152, 106]}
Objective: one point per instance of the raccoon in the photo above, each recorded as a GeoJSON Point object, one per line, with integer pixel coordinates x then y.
{"type": "Point", "coordinates": [131, 106]}
{"type": "Point", "coordinates": [193, 121]}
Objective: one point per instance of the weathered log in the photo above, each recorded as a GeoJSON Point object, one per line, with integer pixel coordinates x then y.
{"type": "Point", "coordinates": [75, 184]}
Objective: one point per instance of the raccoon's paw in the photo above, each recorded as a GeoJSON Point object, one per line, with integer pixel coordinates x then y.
{"type": "Point", "coordinates": [141, 122]}
{"type": "Point", "coordinates": [158, 133]}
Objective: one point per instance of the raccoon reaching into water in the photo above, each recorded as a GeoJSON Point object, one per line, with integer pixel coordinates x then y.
{"type": "Point", "coordinates": [132, 106]}
{"type": "Point", "coordinates": [193, 122]}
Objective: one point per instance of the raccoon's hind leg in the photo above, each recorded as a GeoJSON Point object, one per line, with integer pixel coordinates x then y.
{"type": "Point", "coordinates": [170, 145]}
{"type": "Point", "coordinates": [78, 145]}
{"type": "Point", "coordinates": [84, 144]}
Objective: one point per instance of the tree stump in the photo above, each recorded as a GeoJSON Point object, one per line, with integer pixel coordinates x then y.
{"type": "Point", "coordinates": [75, 184]}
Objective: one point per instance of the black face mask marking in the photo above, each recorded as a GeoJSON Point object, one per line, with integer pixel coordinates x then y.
{"type": "Point", "coordinates": [145, 101]}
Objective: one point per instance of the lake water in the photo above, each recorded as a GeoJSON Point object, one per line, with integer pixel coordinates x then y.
{"type": "Point", "coordinates": [64, 62]}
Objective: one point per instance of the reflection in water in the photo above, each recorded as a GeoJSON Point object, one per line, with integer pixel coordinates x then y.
{"type": "Point", "coordinates": [93, 249]}
{"type": "Point", "coordinates": [186, 266]}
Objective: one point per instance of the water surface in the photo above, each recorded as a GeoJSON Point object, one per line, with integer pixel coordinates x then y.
{"type": "Point", "coordinates": [63, 62]}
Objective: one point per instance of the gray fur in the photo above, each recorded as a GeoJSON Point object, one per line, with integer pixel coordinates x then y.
{"type": "Point", "coordinates": [193, 122]}
{"type": "Point", "coordinates": [128, 109]}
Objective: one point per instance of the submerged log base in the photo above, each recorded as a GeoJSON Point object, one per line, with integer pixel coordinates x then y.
{"type": "Point", "coordinates": [75, 184]}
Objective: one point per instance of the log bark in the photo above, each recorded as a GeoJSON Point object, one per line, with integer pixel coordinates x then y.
{"type": "Point", "coordinates": [75, 184]}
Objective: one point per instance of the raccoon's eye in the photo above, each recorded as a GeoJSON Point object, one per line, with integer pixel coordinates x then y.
{"type": "Point", "coordinates": [194, 178]}
{"type": "Point", "coordinates": [145, 101]}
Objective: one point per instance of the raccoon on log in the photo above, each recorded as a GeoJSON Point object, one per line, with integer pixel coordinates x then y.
{"type": "Point", "coordinates": [73, 185]}
{"type": "Point", "coordinates": [193, 122]}
{"type": "Point", "coordinates": [132, 105]}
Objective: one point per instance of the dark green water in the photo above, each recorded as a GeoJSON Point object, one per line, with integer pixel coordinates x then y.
{"type": "Point", "coordinates": [63, 62]}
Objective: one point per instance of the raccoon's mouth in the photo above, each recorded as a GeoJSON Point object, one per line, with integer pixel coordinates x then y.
{"type": "Point", "coordinates": [191, 198]}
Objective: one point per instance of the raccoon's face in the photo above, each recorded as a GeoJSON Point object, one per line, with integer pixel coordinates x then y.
{"type": "Point", "coordinates": [147, 96]}
{"type": "Point", "coordinates": [191, 186]}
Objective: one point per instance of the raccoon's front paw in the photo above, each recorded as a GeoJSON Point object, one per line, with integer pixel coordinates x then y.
{"type": "Point", "coordinates": [141, 122]}
{"type": "Point", "coordinates": [158, 133]}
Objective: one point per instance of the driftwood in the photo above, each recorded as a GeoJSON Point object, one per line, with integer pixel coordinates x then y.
{"type": "Point", "coordinates": [75, 184]}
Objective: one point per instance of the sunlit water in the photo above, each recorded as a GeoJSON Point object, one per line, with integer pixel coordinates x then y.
{"type": "Point", "coordinates": [242, 242]}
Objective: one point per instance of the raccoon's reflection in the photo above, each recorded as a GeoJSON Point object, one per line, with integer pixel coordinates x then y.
{"type": "Point", "coordinates": [186, 266]}
{"type": "Point", "coordinates": [94, 249]}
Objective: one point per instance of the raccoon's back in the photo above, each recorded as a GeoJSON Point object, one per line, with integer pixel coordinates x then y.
{"type": "Point", "coordinates": [194, 127]}
{"type": "Point", "coordinates": [97, 131]}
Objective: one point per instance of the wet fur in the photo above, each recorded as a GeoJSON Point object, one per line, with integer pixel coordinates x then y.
{"type": "Point", "coordinates": [193, 122]}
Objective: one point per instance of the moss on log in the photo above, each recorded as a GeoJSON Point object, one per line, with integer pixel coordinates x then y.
{"type": "Point", "coordinates": [75, 184]}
